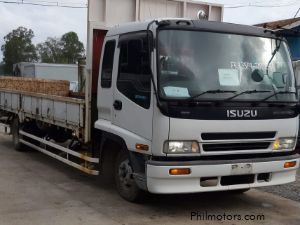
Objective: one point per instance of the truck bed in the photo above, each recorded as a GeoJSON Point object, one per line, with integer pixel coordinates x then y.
{"type": "Point", "coordinates": [64, 112]}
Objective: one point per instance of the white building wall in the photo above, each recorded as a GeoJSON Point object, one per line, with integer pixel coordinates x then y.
{"type": "Point", "coordinates": [28, 71]}
{"type": "Point", "coordinates": [49, 71]}
{"type": "Point", "coordinates": [103, 14]}
{"type": "Point", "coordinates": [69, 73]}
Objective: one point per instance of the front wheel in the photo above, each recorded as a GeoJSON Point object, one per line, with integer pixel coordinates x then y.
{"type": "Point", "coordinates": [238, 191]}
{"type": "Point", "coordinates": [124, 179]}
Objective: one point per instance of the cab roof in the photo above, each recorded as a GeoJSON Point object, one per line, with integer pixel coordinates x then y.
{"type": "Point", "coordinates": [187, 24]}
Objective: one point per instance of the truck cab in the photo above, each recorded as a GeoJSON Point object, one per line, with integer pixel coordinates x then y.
{"type": "Point", "coordinates": [197, 106]}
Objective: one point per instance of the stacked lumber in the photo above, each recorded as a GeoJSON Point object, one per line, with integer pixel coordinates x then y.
{"type": "Point", "coordinates": [42, 86]}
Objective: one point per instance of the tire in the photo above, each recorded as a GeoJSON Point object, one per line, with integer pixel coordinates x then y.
{"type": "Point", "coordinates": [125, 183]}
{"type": "Point", "coordinates": [15, 128]}
{"type": "Point", "coordinates": [238, 191]}
{"type": "Point", "coordinates": [107, 164]}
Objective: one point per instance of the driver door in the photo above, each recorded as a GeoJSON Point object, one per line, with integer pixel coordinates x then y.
{"type": "Point", "coordinates": [133, 102]}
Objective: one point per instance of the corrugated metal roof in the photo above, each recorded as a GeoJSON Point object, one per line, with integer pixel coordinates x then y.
{"type": "Point", "coordinates": [293, 22]}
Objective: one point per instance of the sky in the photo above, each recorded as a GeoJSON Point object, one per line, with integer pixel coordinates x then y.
{"type": "Point", "coordinates": [55, 21]}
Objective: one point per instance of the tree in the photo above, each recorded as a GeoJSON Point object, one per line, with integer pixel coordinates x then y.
{"type": "Point", "coordinates": [50, 51]}
{"type": "Point", "coordinates": [18, 47]}
{"type": "Point", "coordinates": [1, 68]}
{"type": "Point", "coordinates": [72, 48]}
{"type": "Point", "coordinates": [67, 49]}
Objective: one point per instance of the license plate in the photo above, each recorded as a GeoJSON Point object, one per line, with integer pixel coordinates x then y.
{"type": "Point", "coordinates": [241, 168]}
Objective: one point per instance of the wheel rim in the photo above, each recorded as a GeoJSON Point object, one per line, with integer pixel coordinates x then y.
{"type": "Point", "coordinates": [125, 175]}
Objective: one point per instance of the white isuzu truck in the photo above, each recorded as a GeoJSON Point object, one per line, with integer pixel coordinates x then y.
{"type": "Point", "coordinates": [180, 106]}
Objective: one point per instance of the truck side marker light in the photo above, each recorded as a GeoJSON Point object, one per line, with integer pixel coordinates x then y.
{"type": "Point", "coordinates": [180, 171]}
{"type": "Point", "coordinates": [290, 164]}
{"type": "Point", "coordinates": [141, 147]}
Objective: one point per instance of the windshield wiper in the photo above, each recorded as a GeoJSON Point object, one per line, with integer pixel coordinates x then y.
{"type": "Point", "coordinates": [209, 92]}
{"type": "Point", "coordinates": [278, 93]}
{"type": "Point", "coordinates": [246, 92]}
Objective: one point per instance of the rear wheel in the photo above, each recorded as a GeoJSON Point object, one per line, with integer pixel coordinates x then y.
{"type": "Point", "coordinates": [15, 129]}
{"type": "Point", "coordinates": [124, 179]}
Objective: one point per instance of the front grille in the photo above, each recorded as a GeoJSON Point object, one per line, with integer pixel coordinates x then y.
{"type": "Point", "coordinates": [236, 135]}
{"type": "Point", "coordinates": [235, 146]}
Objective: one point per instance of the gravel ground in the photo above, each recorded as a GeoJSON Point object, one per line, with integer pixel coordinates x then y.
{"type": "Point", "coordinates": [290, 191]}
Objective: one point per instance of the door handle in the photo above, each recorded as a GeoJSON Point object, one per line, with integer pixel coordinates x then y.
{"type": "Point", "coordinates": [117, 105]}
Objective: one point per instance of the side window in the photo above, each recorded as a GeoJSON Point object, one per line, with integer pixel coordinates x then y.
{"type": "Point", "coordinates": [134, 80]}
{"type": "Point", "coordinates": [107, 64]}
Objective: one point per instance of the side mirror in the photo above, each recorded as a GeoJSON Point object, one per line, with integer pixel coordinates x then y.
{"type": "Point", "coordinates": [257, 75]}
{"type": "Point", "coordinates": [279, 79]}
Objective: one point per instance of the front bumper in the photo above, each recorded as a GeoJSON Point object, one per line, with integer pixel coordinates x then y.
{"type": "Point", "coordinates": [159, 180]}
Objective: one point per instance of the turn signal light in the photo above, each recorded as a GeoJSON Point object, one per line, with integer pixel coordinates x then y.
{"type": "Point", "coordinates": [180, 171]}
{"type": "Point", "coordinates": [290, 164]}
{"type": "Point", "coordinates": [142, 147]}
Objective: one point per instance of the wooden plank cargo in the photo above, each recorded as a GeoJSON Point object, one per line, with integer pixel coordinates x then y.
{"type": "Point", "coordinates": [43, 100]}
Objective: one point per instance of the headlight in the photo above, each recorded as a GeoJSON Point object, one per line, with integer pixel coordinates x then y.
{"type": "Point", "coordinates": [179, 147]}
{"type": "Point", "coordinates": [284, 143]}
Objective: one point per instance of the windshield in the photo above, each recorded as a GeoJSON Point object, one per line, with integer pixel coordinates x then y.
{"type": "Point", "coordinates": [219, 66]}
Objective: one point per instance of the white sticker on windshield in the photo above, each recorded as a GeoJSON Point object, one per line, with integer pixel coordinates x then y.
{"type": "Point", "coordinates": [229, 77]}
{"type": "Point", "coordinates": [176, 91]}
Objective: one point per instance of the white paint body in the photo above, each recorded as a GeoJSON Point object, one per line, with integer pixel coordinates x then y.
{"type": "Point", "coordinates": [135, 124]}
{"type": "Point", "coordinates": [159, 180]}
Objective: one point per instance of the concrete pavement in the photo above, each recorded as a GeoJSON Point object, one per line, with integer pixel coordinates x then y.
{"type": "Point", "coordinates": [37, 190]}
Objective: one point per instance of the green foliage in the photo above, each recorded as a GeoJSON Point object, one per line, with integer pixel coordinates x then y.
{"type": "Point", "coordinates": [72, 48]}
{"type": "Point", "coordinates": [65, 50]}
{"type": "Point", "coordinates": [1, 69]}
{"type": "Point", "coordinates": [50, 51]}
{"type": "Point", "coordinates": [18, 47]}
